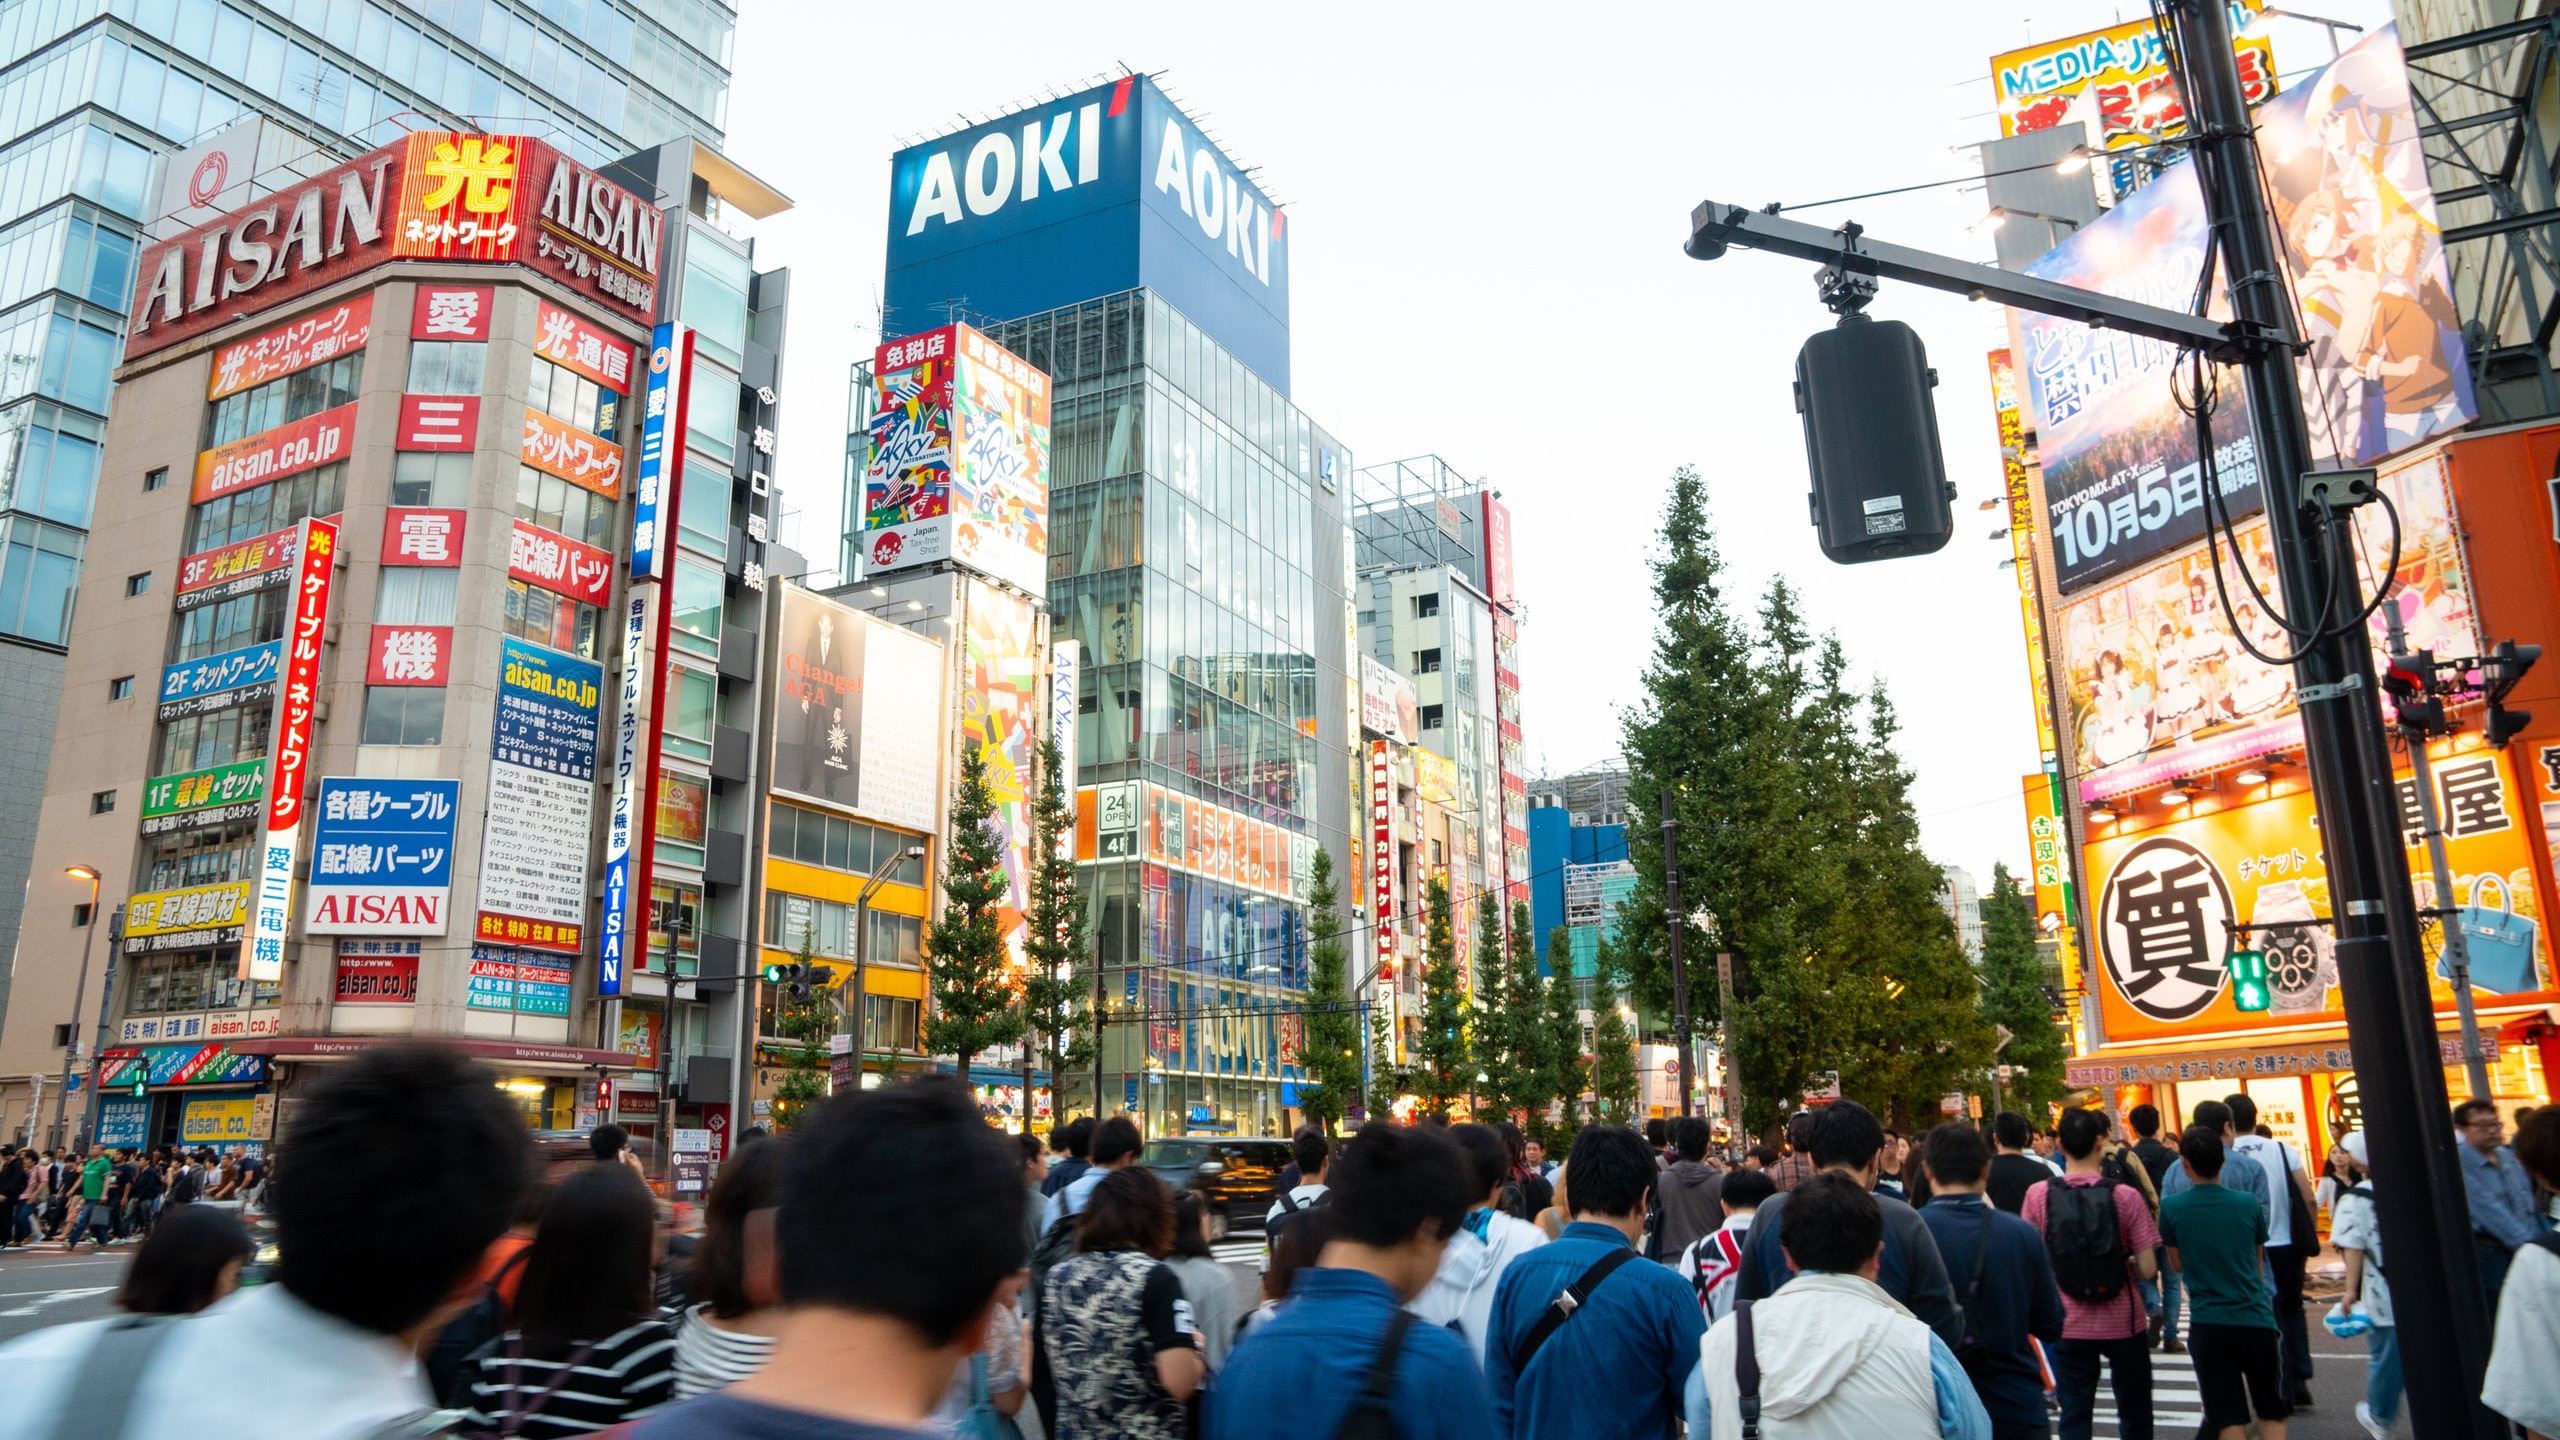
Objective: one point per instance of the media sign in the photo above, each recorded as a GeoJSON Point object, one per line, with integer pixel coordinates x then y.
{"type": "Point", "coordinates": [1085, 196]}
{"type": "Point", "coordinates": [324, 334]}
{"type": "Point", "coordinates": [238, 569]}
{"type": "Point", "coordinates": [199, 798]}
{"type": "Point", "coordinates": [662, 426]}
{"type": "Point", "coordinates": [218, 682]}
{"type": "Point", "coordinates": [288, 449]}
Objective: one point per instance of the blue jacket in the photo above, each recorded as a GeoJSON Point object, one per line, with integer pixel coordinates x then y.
{"type": "Point", "coordinates": [1297, 1376]}
{"type": "Point", "coordinates": [2018, 1299]}
{"type": "Point", "coordinates": [1617, 1368]}
{"type": "Point", "coordinates": [2500, 1196]}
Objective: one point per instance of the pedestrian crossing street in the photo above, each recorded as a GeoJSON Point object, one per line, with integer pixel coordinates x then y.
{"type": "Point", "coordinates": [2177, 1406]}
{"type": "Point", "coordinates": [1246, 1250]}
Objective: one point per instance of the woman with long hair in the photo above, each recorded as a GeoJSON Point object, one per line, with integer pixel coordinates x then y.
{"type": "Point", "coordinates": [1112, 1319]}
{"type": "Point", "coordinates": [1205, 1282]}
{"type": "Point", "coordinates": [587, 1349]}
{"type": "Point", "coordinates": [737, 1276]}
{"type": "Point", "coordinates": [193, 1257]}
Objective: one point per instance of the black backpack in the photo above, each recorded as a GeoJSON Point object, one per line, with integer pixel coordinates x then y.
{"type": "Point", "coordinates": [452, 1360]}
{"type": "Point", "coordinates": [2084, 1240]}
{"type": "Point", "coordinates": [1290, 1210]}
{"type": "Point", "coordinates": [1972, 1295]}
{"type": "Point", "coordinates": [1369, 1417]}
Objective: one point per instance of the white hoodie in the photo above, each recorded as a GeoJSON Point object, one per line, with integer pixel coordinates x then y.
{"type": "Point", "coordinates": [1839, 1360]}
{"type": "Point", "coordinates": [1460, 1297]}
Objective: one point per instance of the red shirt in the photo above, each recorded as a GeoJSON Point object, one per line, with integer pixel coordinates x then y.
{"type": "Point", "coordinates": [2124, 1315]}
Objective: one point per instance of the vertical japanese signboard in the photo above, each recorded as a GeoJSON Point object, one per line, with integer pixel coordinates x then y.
{"type": "Point", "coordinates": [1066, 663]}
{"type": "Point", "coordinates": [382, 857]}
{"type": "Point", "coordinates": [1382, 852]}
{"type": "Point", "coordinates": [2022, 548]}
{"type": "Point", "coordinates": [630, 834]}
{"type": "Point", "coordinates": [542, 771]}
{"type": "Point", "coordinates": [662, 421]}
{"type": "Point", "coordinates": [316, 558]}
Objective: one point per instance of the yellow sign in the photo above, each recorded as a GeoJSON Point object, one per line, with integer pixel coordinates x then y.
{"type": "Point", "coordinates": [2048, 843]}
{"type": "Point", "coordinates": [1434, 779]}
{"type": "Point", "coordinates": [158, 913]}
{"type": "Point", "coordinates": [2116, 82]}
{"type": "Point", "coordinates": [213, 1122]}
{"type": "Point", "coordinates": [2022, 550]}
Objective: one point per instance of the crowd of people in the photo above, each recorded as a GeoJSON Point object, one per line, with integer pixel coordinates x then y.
{"type": "Point", "coordinates": [112, 1196]}
{"type": "Point", "coordinates": [893, 1267]}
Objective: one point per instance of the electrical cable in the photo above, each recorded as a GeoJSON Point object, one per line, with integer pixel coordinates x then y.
{"type": "Point", "coordinates": [2096, 156]}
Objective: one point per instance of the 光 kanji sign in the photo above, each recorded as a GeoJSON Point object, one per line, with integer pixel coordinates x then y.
{"type": "Point", "coordinates": [382, 857]}
{"type": "Point", "coordinates": [316, 562]}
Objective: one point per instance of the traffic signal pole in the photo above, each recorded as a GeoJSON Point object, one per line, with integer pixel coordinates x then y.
{"type": "Point", "coordinates": [2436, 1290]}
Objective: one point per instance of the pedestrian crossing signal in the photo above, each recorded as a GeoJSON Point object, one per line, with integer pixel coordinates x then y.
{"type": "Point", "coordinates": [139, 1081]}
{"type": "Point", "coordinates": [2248, 972]}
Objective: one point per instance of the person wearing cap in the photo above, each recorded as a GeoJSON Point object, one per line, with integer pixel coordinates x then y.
{"type": "Point", "coordinates": [2366, 1307]}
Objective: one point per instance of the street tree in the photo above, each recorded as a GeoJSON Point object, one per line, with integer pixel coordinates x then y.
{"type": "Point", "coordinates": [1613, 1046]}
{"type": "Point", "coordinates": [1513, 1016]}
{"type": "Point", "coordinates": [1330, 1054]}
{"type": "Point", "coordinates": [1564, 1066]}
{"type": "Point", "coordinates": [1057, 1008]}
{"type": "Point", "coordinates": [1444, 1066]}
{"type": "Point", "coordinates": [2013, 995]}
{"type": "Point", "coordinates": [973, 989]}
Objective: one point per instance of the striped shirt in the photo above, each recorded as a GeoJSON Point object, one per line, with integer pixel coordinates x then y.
{"type": "Point", "coordinates": [710, 1358]}
{"type": "Point", "coordinates": [624, 1375]}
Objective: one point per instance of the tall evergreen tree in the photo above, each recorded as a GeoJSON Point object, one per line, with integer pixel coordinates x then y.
{"type": "Point", "coordinates": [1565, 1067]}
{"type": "Point", "coordinates": [1331, 1053]}
{"type": "Point", "coordinates": [1515, 1020]}
{"type": "Point", "coordinates": [1613, 1047]}
{"type": "Point", "coordinates": [973, 989]}
{"type": "Point", "coordinates": [2013, 995]}
{"type": "Point", "coordinates": [1057, 1008]}
{"type": "Point", "coordinates": [1443, 1067]}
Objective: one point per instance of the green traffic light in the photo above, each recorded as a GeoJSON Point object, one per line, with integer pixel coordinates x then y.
{"type": "Point", "coordinates": [2248, 972]}
{"type": "Point", "coordinates": [776, 974]}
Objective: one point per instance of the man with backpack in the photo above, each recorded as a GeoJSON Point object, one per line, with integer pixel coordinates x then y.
{"type": "Point", "coordinates": [2003, 1281]}
{"type": "Point", "coordinates": [1613, 1361]}
{"type": "Point", "coordinates": [1344, 1360]}
{"type": "Point", "coordinates": [2101, 1238]}
{"type": "Point", "coordinates": [1846, 1137]}
{"type": "Point", "coordinates": [1070, 1143]}
{"type": "Point", "coordinates": [1309, 1152]}
{"type": "Point", "coordinates": [1488, 1240]}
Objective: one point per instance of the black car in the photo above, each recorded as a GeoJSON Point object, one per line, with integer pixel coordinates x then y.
{"type": "Point", "coordinates": [1239, 1178]}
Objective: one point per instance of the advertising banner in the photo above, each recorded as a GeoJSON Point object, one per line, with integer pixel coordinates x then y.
{"type": "Point", "coordinates": [2157, 685]}
{"type": "Point", "coordinates": [1382, 856]}
{"type": "Point", "coordinates": [859, 718]}
{"type": "Point", "coordinates": [451, 312]}
{"type": "Point", "coordinates": [250, 565]}
{"type": "Point", "coordinates": [188, 919]}
{"type": "Point", "coordinates": [216, 796]}
{"type": "Point", "coordinates": [959, 459]}
{"type": "Point", "coordinates": [2048, 846]}
{"type": "Point", "coordinates": [1207, 840]}
{"type": "Point", "coordinates": [412, 536]}
{"type": "Point", "coordinates": [559, 564]}
{"type": "Point", "coordinates": [297, 692]}
{"type": "Point", "coordinates": [216, 1122]}
{"type": "Point", "coordinates": [542, 770]}
{"type": "Point", "coordinates": [2022, 550]}
{"type": "Point", "coordinates": [409, 655]}
{"type": "Point", "coordinates": [662, 427]}
{"type": "Point", "coordinates": [1066, 664]}
{"type": "Point", "coordinates": [214, 675]}
{"type": "Point", "coordinates": [564, 339]}
{"type": "Point", "coordinates": [377, 972]}
{"type": "Point", "coordinates": [437, 422]}
{"type": "Point", "coordinates": [300, 344]}
{"type": "Point", "coordinates": [1002, 715]}
{"type": "Point", "coordinates": [1389, 704]}
{"type": "Point", "coordinates": [288, 449]}
{"type": "Point", "coordinates": [2388, 367]}
{"type": "Point", "coordinates": [1498, 584]}
{"type": "Point", "coordinates": [503, 979]}
{"type": "Point", "coordinates": [123, 1122]}
{"type": "Point", "coordinates": [179, 1065]}
{"type": "Point", "coordinates": [1434, 779]}
{"type": "Point", "coordinates": [556, 447]}
{"type": "Point", "coordinates": [631, 769]}
{"type": "Point", "coordinates": [2116, 83]}
{"type": "Point", "coordinates": [382, 857]}
{"type": "Point", "coordinates": [2168, 899]}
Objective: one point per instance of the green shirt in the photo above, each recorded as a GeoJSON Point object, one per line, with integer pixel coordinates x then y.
{"type": "Point", "coordinates": [93, 1178]}
{"type": "Point", "coordinates": [2216, 1231]}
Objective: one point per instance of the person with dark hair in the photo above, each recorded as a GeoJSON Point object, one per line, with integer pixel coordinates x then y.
{"type": "Point", "coordinates": [1115, 1145]}
{"type": "Point", "coordinates": [737, 1277]}
{"type": "Point", "coordinates": [901, 1220]}
{"type": "Point", "coordinates": [1035, 1169]}
{"type": "Point", "coordinates": [1714, 1262]}
{"type": "Point", "coordinates": [1205, 1283]}
{"type": "Point", "coordinates": [2239, 1172]}
{"type": "Point", "coordinates": [1797, 1163]}
{"type": "Point", "coordinates": [2522, 1382]}
{"type": "Point", "coordinates": [2503, 1216]}
{"type": "Point", "coordinates": [1836, 1355]}
{"type": "Point", "coordinates": [1072, 1139]}
{"type": "Point", "coordinates": [1297, 1249]}
{"type": "Point", "coordinates": [1529, 1191]}
{"type": "Point", "coordinates": [1657, 1138]}
{"type": "Point", "coordinates": [1891, 1162]}
{"type": "Point", "coordinates": [1763, 1159]}
{"type": "Point", "coordinates": [2366, 1305]}
{"type": "Point", "coordinates": [586, 1350]}
{"type": "Point", "coordinates": [2003, 1282]}
{"type": "Point", "coordinates": [2216, 1238]}
{"type": "Point", "coordinates": [1121, 1339]}
{"type": "Point", "coordinates": [1846, 1138]}
{"type": "Point", "coordinates": [2157, 1160]}
{"type": "Point", "coordinates": [2293, 1236]}
{"type": "Point", "coordinates": [1684, 1196]}
{"type": "Point", "coordinates": [1460, 1296]}
{"type": "Point", "coordinates": [1398, 1195]}
{"type": "Point", "coordinates": [611, 1143]}
{"type": "Point", "coordinates": [1612, 1362]}
{"type": "Point", "coordinates": [2100, 1236]}
{"type": "Point", "coordinates": [2014, 1168]}
{"type": "Point", "coordinates": [1309, 1153]}
{"type": "Point", "coordinates": [377, 1242]}
{"type": "Point", "coordinates": [186, 1263]}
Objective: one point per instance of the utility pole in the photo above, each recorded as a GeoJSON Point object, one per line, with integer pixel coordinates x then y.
{"type": "Point", "coordinates": [1677, 923]}
{"type": "Point", "coordinates": [2419, 725]}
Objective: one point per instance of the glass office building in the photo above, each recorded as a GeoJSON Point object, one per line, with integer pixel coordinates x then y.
{"type": "Point", "coordinates": [94, 92]}
{"type": "Point", "coordinates": [1196, 549]}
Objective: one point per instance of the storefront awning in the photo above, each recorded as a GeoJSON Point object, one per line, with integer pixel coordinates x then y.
{"type": "Point", "coordinates": [505, 1052]}
{"type": "Point", "coordinates": [2314, 1052]}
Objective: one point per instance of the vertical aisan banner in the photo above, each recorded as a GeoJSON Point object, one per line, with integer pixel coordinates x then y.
{"type": "Point", "coordinates": [630, 835]}
{"type": "Point", "coordinates": [315, 562]}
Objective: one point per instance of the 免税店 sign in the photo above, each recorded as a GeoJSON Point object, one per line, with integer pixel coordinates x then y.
{"type": "Point", "coordinates": [319, 336]}
{"type": "Point", "coordinates": [288, 449]}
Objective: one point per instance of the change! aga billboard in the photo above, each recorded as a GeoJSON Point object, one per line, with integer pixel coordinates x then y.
{"type": "Point", "coordinates": [1082, 197]}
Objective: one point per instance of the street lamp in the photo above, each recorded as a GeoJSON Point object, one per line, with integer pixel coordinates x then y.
{"type": "Point", "coordinates": [79, 996]}
{"type": "Point", "coordinates": [862, 953]}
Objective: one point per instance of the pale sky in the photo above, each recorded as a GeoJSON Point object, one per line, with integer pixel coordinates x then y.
{"type": "Point", "coordinates": [1485, 214]}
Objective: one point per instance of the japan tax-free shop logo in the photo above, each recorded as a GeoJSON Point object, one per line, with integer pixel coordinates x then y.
{"type": "Point", "coordinates": [2164, 924]}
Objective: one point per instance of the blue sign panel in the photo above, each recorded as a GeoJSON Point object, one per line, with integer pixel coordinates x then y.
{"type": "Point", "coordinates": [661, 439]}
{"type": "Point", "coordinates": [547, 705]}
{"type": "Point", "coordinates": [385, 832]}
{"type": "Point", "coordinates": [1077, 198]}
{"type": "Point", "coordinates": [122, 1122]}
{"type": "Point", "coordinates": [215, 674]}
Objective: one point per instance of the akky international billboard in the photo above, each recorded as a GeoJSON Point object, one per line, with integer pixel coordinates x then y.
{"type": "Point", "coordinates": [959, 459]}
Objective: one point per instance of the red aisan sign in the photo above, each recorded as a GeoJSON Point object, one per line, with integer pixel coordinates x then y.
{"type": "Point", "coordinates": [451, 312]}
{"type": "Point", "coordinates": [564, 339]}
{"type": "Point", "coordinates": [288, 449]}
{"type": "Point", "coordinates": [378, 978]}
{"type": "Point", "coordinates": [409, 655]}
{"type": "Point", "coordinates": [559, 564]}
{"type": "Point", "coordinates": [437, 422]}
{"type": "Point", "coordinates": [299, 345]}
{"type": "Point", "coordinates": [414, 536]}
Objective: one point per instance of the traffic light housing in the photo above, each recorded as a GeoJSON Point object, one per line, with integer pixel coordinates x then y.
{"type": "Point", "coordinates": [141, 1082]}
{"type": "Point", "coordinates": [778, 974]}
{"type": "Point", "coordinates": [1871, 441]}
{"type": "Point", "coordinates": [604, 1096]}
{"type": "Point", "coordinates": [2248, 972]}
{"type": "Point", "coordinates": [2500, 669]}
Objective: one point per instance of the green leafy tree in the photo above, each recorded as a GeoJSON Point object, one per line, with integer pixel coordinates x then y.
{"type": "Point", "coordinates": [1330, 1055]}
{"type": "Point", "coordinates": [1057, 1008]}
{"type": "Point", "coordinates": [1613, 1047]}
{"type": "Point", "coordinates": [973, 990]}
{"type": "Point", "coordinates": [1386, 1078]}
{"type": "Point", "coordinates": [1510, 1033]}
{"type": "Point", "coordinates": [2013, 995]}
{"type": "Point", "coordinates": [1444, 1066]}
{"type": "Point", "coordinates": [1564, 1070]}
{"type": "Point", "coordinates": [807, 1023]}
